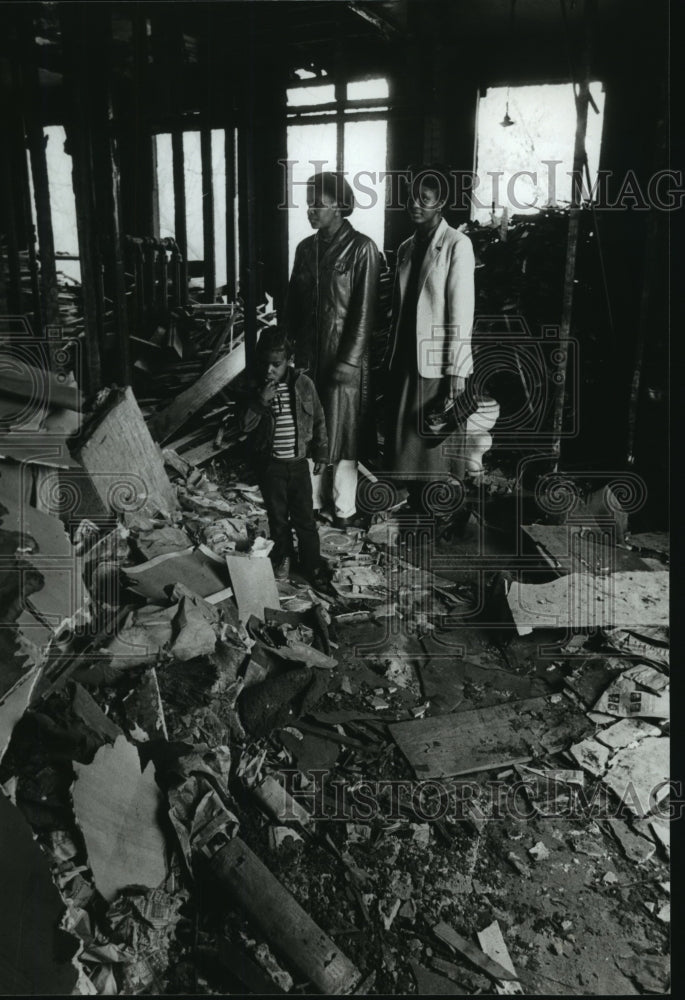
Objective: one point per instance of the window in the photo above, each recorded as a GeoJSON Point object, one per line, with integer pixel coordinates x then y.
{"type": "Point", "coordinates": [331, 127]}
{"type": "Point", "coordinates": [515, 163]}
{"type": "Point", "coordinates": [223, 165]}
{"type": "Point", "coordinates": [62, 202]}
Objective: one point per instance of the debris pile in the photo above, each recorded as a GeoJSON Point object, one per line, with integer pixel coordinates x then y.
{"type": "Point", "coordinates": [236, 783]}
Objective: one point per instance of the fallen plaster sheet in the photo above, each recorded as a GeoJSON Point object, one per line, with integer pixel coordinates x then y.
{"type": "Point", "coordinates": [638, 775]}
{"type": "Point", "coordinates": [253, 584]}
{"type": "Point", "coordinates": [623, 600]}
{"type": "Point", "coordinates": [14, 704]}
{"type": "Point", "coordinates": [199, 569]}
{"type": "Point", "coordinates": [35, 954]}
{"type": "Point", "coordinates": [117, 807]}
{"type": "Point", "coordinates": [477, 740]}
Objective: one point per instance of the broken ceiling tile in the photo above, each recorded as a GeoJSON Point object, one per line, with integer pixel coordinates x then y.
{"type": "Point", "coordinates": [639, 775]}
{"type": "Point", "coordinates": [591, 756]}
{"type": "Point", "coordinates": [116, 806]}
{"type": "Point", "coordinates": [625, 732]}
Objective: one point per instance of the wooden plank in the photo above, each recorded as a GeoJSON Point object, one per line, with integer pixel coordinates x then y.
{"type": "Point", "coordinates": [581, 548]}
{"type": "Point", "coordinates": [23, 381]}
{"type": "Point", "coordinates": [120, 455]}
{"type": "Point", "coordinates": [253, 584]}
{"type": "Point", "coordinates": [491, 941]}
{"type": "Point", "coordinates": [513, 733]}
{"type": "Point", "coordinates": [163, 425]}
{"type": "Point", "coordinates": [581, 600]}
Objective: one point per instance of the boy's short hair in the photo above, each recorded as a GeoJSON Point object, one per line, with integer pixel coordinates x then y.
{"type": "Point", "coordinates": [272, 339]}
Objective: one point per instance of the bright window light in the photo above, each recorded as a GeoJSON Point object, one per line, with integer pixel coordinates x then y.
{"type": "Point", "coordinates": [219, 190]}
{"type": "Point", "coordinates": [362, 90]}
{"type": "Point", "coordinates": [514, 163]}
{"type": "Point", "coordinates": [320, 94]}
{"type": "Point", "coordinates": [165, 185]}
{"type": "Point", "coordinates": [306, 143]}
{"type": "Point", "coordinates": [192, 163]}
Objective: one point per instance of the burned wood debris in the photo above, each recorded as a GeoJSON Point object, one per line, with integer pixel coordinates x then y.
{"type": "Point", "coordinates": [238, 783]}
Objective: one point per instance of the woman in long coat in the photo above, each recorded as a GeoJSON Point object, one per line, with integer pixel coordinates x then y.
{"type": "Point", "coordinates": [429, 356]}
{"type": "Point", "coordinates": [329, 317]}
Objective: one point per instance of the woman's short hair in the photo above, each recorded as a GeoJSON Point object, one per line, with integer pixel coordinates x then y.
{"type": "Point", "coordinates": [273, 339]}
{"type": "Point", "coordinates": [333, 184]}
{"type": "Point", "coordinates": [435, 176]}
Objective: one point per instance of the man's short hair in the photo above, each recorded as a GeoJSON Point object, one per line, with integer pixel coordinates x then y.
{"type": "Point", "coordinates": [273, 339]}
{"type": "Point", "coordinates": [333, 184]}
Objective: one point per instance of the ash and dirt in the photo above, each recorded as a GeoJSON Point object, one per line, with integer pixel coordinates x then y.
{"type": "Point", "coordinates": [577, 915]}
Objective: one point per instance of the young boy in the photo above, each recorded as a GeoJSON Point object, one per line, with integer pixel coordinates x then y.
{"type": "Point", "coordinates": [283, 416]}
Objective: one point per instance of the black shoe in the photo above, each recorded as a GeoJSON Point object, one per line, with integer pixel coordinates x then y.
{"type": "Point", "coordinates": [282, 569]}
{"type": "Point", "coordinates": [320, 579]}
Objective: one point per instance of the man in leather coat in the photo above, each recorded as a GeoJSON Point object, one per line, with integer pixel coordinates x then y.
{"type": "Point", "coordinates": [329, 317]}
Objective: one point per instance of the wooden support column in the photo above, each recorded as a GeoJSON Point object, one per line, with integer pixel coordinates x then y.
{"type": "Point", "coordinates": [36, 141]}
{"type": "Point", "coordinates": [208, 215]}
{"type": "Point", "coordinates": [232, 255]}
{"type": "Point", "coordinates": [79, 144]}
{"type": "Point", "coordinates": [179, 193]}
{"type": "Point", "coordinates": [247, 223]}
{"type": "Point", "coordinates": [579, 158]}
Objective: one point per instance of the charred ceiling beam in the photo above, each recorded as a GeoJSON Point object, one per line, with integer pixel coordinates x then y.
{"type": "Point", "coordinates": [366, 11]}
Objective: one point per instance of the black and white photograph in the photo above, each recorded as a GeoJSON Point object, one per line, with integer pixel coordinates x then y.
{"type": "Point", "coordinates": [335, 511]}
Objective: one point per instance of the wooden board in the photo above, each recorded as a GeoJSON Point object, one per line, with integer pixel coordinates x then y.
{"type": "Point", "coordinates": [573, 548]}
{"type": "Point", "coordinates": [253, 584]}
{"type": "Point", "coordinates": [165, 423]}
{"type": "Point", "coordinates": [124, 463]}
{"type": "Point", "coordinates": [580, 600]}
{"type": "Point", "coordinates": [462, 743]}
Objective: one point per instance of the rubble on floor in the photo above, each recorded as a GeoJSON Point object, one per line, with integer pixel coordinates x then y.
{"type": "Point", "coordinates": [239, 783]}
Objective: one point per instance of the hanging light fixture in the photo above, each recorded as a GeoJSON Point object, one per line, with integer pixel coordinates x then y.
{"type": "Point", "coordinates": [507, 121]}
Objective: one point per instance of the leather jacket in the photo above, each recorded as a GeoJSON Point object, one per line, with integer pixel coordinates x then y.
{"type": "Point", "coordinates": [330, 313]}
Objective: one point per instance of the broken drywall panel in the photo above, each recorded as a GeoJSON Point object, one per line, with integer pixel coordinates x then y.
{"type": "Point", "coordinates": [639, 775]}
{"type": "Point", "coordinates": [477, 740]}
{"type": "Point", "coordinates": [254, 585]}
{"type": "Point", "coordinates": [35, 954]}
{"type": "Point", "coordinates": [581, 600]}
{"type": "Point", "coordinates": [591, 756]}
{"type": "Point", "coordinates": [117, 807]}
{"type": "Point", "coordinates": [123, 462]}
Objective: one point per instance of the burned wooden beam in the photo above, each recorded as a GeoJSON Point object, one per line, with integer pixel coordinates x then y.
{"type": "Point", "coordinates": [208, 214]}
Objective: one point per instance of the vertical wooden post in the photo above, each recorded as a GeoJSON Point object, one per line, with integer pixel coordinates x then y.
{"type": "Point", "coordinates": [232, 262]}
{"type": "Point", "coordinates": [579, 158]}
{"type": "Point", "coordinates": [248, 214]}
{"type": "Point", "coordinates": [41, 190]}
{"type": "Point", "coordinates": [179, 193]}
{"type": "Point", "coordinates": [208, 214]}
{"type": "Point", "coordinates": [78, 135]}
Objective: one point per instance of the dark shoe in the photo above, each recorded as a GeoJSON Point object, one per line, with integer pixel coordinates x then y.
{"type": "Point", "coordinates": [282, 569]}
{"type": "Point", "coordinates": [320, 579]}
{"type": "Point", "coordinates": [356, 521]}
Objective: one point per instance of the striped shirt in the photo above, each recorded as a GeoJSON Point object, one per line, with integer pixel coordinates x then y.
{"type": "Point", "coordinates": [284, 431]}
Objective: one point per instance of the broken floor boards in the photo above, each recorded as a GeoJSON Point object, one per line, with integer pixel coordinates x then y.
{"type": "Point", "coordinates": [581, 600]}
{"type": "Point", "coordinates": [576, 548]}
{"type": "Point", "coordinates": [477, 740]}
{"type": "Point", "coordinates": [449, 683]}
